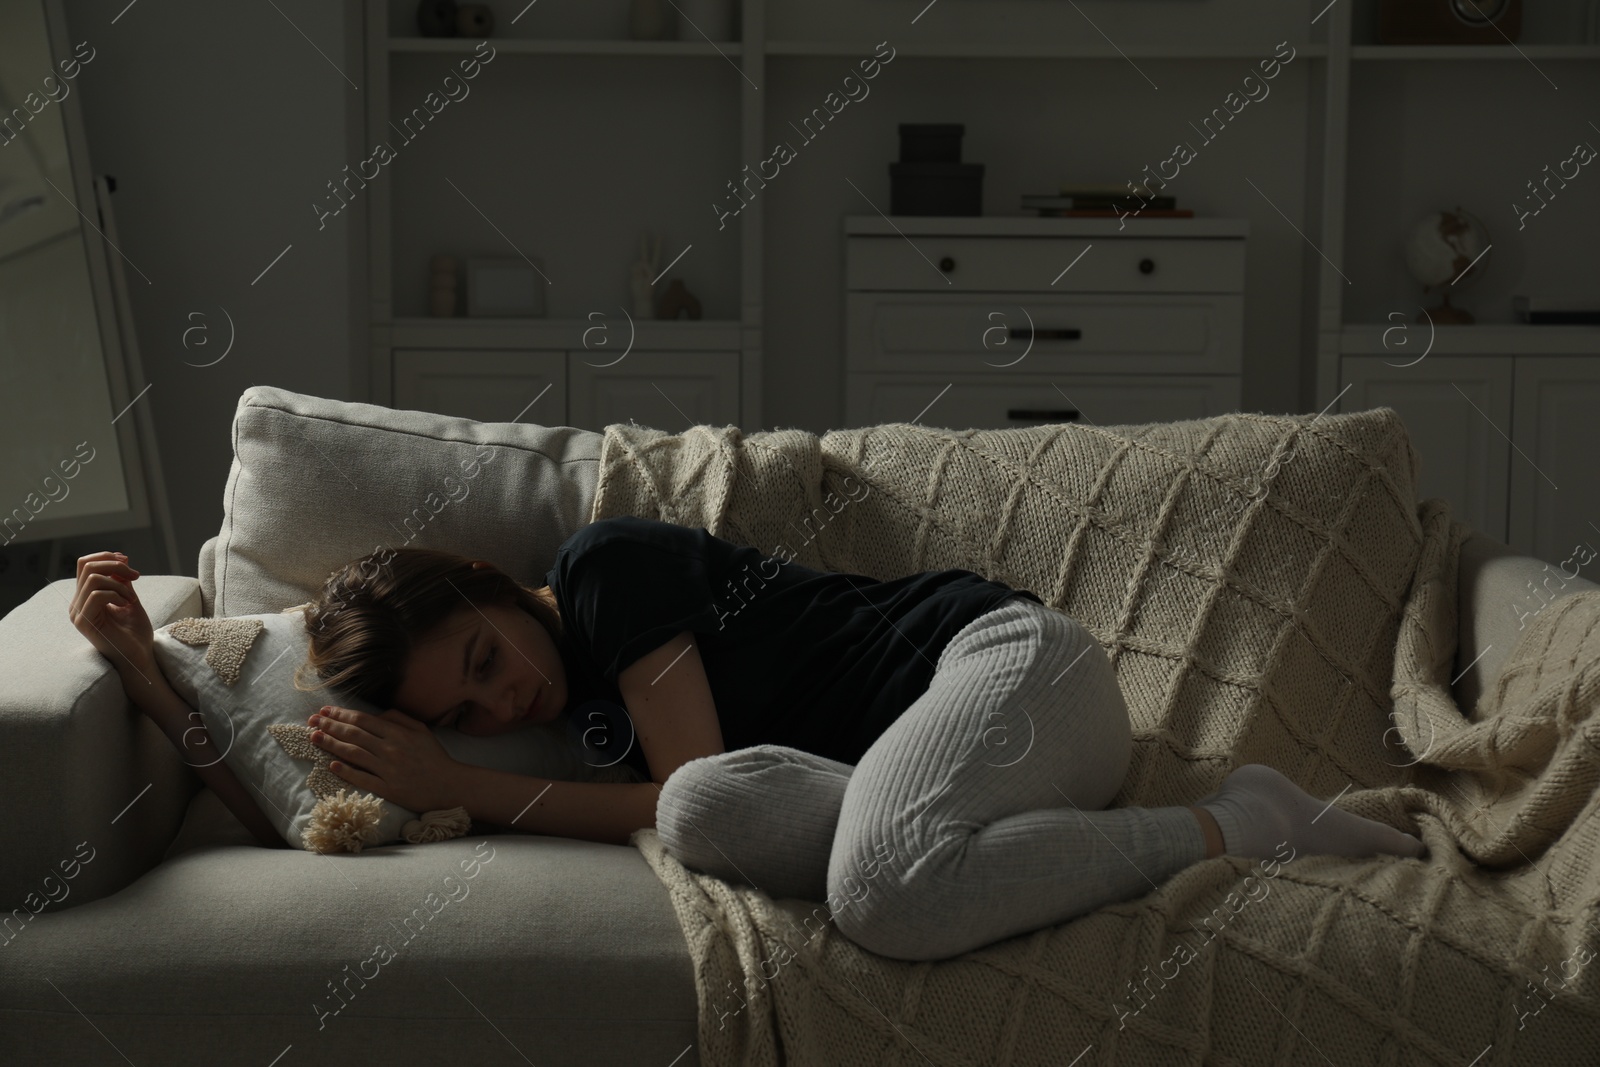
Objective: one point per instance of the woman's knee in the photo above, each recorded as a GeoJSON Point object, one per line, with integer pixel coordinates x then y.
{"type": "Point", "coordinates": [702, 791]}
{"type": "Point", "coordinates": [732, 795]}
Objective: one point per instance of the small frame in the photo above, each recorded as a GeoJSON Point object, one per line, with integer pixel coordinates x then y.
{"type": "Point", "coordinates": [504, 287]}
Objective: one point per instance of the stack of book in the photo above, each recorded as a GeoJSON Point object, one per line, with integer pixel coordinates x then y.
{"type": "Point", "coordinates": [1105, 201]}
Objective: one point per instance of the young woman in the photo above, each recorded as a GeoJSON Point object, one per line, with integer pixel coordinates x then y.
{"type": "Point", "coordinates": [947, 737]}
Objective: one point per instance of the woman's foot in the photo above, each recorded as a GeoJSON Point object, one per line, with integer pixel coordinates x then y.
{"type": "Point", "coordinates": [1258, 809]}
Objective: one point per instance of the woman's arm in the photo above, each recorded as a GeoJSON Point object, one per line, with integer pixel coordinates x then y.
{"type": "Point", "coordinates": [668, 697]}
{"type": "Point", "coordinates": [106, 610]}
{"type": "Point", "coordinates": [608, 812]}
{"type": "Point", "coordinates": [152, 694]}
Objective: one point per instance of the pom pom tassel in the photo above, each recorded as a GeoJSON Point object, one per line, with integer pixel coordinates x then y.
{"type": "Point", "coordinates": [347, 821]}
{"type": "Point", "coordinates": [343, 822]}
{"type": "Point", "coordinates": [437, 825]}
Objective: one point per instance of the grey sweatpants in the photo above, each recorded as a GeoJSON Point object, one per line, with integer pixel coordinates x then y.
{"type": "Point", "coordinates": [975, 817]}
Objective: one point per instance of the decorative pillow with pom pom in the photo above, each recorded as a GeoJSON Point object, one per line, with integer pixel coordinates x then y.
{"type": "Point", "coordinates": [238, 673]}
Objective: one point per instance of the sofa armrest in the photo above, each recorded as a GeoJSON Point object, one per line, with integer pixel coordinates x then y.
{"type": "Point", "coordinates": [84, 773]}
{"type": "Point", "coordinates": [1500, 593]}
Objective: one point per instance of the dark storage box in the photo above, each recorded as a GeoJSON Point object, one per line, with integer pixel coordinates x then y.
{"type": "Point", "coordinates": [936, 188]}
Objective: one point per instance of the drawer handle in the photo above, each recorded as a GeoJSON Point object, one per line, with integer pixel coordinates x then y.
{"type": "Point", "coordinates": [1043, 414]}
{"type": "Point", "coordinates": [1147, 266]}
{"type": "Point", "coordinates": [947, 264]}
{"type": "Point", "coordinates": [1047, 334]}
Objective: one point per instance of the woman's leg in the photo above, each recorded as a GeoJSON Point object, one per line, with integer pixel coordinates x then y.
{"type": "Point", "coordinates": [763, 816]}
{"type": "Point", "coordinates": [975, 816]}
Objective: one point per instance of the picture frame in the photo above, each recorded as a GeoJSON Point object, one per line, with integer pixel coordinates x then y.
{"type": "Point", "coordinates": [504, 287]}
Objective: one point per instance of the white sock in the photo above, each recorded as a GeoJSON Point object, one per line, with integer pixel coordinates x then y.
{"type": "Point", "coordinates": [1258, 809]}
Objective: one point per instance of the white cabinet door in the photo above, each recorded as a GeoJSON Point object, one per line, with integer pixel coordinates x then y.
{"type": "Point", "coordinates": [497, 386]}
{"type": "Point", "coordinates": [1555, 494]}
{"type": "Point", "coordinates": [669, 391]}
{"type": "Point", "coordinates": [1457, 411]}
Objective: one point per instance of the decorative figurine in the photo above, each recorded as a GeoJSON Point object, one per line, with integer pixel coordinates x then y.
{"type": "Point", "coordinates": [677, 299]}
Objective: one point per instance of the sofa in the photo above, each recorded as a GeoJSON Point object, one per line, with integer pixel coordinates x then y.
{"type": "Point", "coordinates": [179, 941]}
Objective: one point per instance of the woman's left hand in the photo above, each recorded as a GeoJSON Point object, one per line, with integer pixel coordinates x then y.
{"type": "Point", "coordinates": [391, 755]}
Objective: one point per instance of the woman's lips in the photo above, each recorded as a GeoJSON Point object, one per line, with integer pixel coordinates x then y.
{"type": "Point", "coordinates": [533, 708]}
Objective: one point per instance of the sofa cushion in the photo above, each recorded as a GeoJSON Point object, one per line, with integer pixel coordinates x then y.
{"type": "Point", "coordinates": [242, 696]}
{"type": "Point", "coordinates": [1501, 594]}
{"type": "Point", "coordinates": [567, 950]}
{"type": "Point", "coordinates": [316, 483]}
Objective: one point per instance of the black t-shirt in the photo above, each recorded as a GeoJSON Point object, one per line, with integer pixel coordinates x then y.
{"type": "Point", "coordinates": [811, 659]}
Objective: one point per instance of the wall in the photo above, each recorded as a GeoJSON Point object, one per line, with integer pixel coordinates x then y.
{"type": "Point", "coordinates": [220, 123]}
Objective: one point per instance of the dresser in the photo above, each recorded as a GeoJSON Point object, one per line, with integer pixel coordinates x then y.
{"type": "Point", "coordinates": [1008, 321]}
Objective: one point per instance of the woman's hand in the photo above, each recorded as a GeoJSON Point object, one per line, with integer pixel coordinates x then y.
{"type": "Point", "coordinates": [391, 755]}
{"type": "Point", "coordinates": [106, 610]}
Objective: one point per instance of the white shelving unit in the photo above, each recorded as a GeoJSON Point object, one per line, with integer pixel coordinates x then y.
{"type": "Point", "coordinates": [568, 368]}
{"type": "Point", "coordinates": [594, 137]}
{"type": "Point", "coordinates": [1495, 409]}
{"type": "Point", "coordinates": [555, 57]}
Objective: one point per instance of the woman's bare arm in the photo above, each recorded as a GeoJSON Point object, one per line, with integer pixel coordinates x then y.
{"type": "Point", "coordinates": [152, 694]}
{"type": "Point", "coordinates": [608, 812]}
{"type": "Point", "coordinates": [669, 700]}
{"type": "Point", "coordinates": [106, 610]}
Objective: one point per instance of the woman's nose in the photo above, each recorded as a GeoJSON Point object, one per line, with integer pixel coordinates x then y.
{"type": "Point", "coordinates": [506, 710]}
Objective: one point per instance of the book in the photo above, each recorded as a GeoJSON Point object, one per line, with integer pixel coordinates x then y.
{"type": "Point", "coordinates": [1105, 189]}
{"type": "Point", "coordinates": [1540, 311]}
{"type": "Point", "coordinates": [1099, 203]}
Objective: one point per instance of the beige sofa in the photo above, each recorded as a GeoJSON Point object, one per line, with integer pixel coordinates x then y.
{"type": "Point", "coordinates": [179, 941]}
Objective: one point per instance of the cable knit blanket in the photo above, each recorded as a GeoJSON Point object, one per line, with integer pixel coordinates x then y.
{"type": "Point", "coordinates": [1269, 590]}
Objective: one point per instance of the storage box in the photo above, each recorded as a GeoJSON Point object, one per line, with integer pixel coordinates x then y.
{"type": "Point", "coordinates": [936, 188]}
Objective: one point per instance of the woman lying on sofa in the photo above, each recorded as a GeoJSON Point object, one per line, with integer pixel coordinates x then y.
{"type": "Point", "coordinates": [949, 734]}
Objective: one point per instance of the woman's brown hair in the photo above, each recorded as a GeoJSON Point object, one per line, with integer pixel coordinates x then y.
{"type": "Point", "coordinates": [371, 612]}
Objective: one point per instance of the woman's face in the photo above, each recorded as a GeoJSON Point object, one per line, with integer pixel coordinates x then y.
{"type": "Point", "coordinates": [481, 670]}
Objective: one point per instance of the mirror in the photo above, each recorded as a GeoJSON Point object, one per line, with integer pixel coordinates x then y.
{"type": "Point", "coordinates": [70, 433]}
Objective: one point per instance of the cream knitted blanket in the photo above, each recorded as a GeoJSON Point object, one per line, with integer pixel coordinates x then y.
{"type": "Point", "coordinates": [1269, 590]}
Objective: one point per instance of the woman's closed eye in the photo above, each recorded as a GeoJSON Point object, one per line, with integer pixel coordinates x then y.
{"type": "Point", "coordinates": [483, 672]}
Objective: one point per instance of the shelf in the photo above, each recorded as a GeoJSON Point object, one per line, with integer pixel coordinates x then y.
{"type": "Point", "coordinates": [952, 50]}
{"type": "Point", "coordinates": [1028, 226]}
{"type": "Point", "coordinates": [1487, 339]}
{"type": "Point", "coordinates": [654, 335]}
{"type": "Point", "coordinates": [1522, 52]}
{"type": "Point", "coordinates": [537, 46]}
{"type": "Point", "coordinates": [1033, 50]}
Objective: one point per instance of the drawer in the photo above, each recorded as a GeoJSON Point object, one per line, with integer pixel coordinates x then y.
{"type": "Point", "coordinates": [1044, 333]}
{"type": "Point", "coordinates": [959, 403]}
{"type": "Point", "coordinates": [1040, 264]}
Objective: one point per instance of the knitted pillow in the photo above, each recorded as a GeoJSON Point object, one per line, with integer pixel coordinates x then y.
{"type": "Point", "coordinates": [238, 673]}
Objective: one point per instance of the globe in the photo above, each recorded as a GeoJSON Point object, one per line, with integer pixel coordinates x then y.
{"type": "Point", "coordinates": [1445, 251]}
